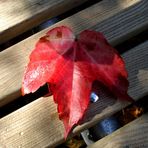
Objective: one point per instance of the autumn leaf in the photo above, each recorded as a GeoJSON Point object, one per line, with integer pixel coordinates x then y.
{"type": "Point", "coordinates": [70, 66]}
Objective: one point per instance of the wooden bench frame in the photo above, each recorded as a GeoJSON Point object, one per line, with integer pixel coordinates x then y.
{"type": "Point", "coordinates": [37, 123]}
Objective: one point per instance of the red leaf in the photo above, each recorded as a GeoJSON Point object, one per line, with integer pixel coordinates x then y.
{"type": "Point", "coordinates": [70, 67]}
{"type": "Point", "coordinates": [105, 63]}
{"type": "Point", "coordinates": [44, 58]}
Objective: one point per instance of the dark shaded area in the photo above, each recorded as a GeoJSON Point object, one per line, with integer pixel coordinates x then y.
{"type": "Point", "coordinates": [133, 42]}
{"type": "Point", "coordinates": [106, 98]}
{"type": "Point", "coordinates": [22, 101]}
{"type": "Point", "coordinates": [142, 103]}
{"type": "Point", "coordinates": [104, 128]}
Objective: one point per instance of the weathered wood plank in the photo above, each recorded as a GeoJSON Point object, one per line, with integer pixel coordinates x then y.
{"type": "Point", "coordinates": [37, 123]}
{"type": "Point", "coordinates": [132, 135]}
{"type": "Point", "coordinates": [118, 20]}
{"type": "Point", "coordinates": [18, 16]}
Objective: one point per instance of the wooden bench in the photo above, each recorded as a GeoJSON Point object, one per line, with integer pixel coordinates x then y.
{"type": "Point", "coordinates": [37, 124]}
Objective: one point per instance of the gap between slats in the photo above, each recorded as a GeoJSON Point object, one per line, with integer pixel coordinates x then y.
{"type": "Point", "coordinates": [134, 134]}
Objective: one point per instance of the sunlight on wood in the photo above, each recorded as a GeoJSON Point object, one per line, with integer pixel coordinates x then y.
{"type": "Point", "coordinates": [123, 5]}
{"type": "Point", "coordinates": [36, 124]}
{"type": "Point", "coordinates": [19, 16]}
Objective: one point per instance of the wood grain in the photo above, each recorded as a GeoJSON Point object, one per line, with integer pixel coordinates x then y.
{"type": "Point", "coordinates": [18, 16]}
{"type": "Point", "coordinates": [118, 20]}
{"type": "Point", "coordinates": [132, 135]}
{"type": "Point", "coordinates": [37, 124]}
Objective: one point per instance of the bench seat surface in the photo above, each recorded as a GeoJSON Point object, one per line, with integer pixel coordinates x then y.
{"type": "Point", "coordinates": [37, 123]}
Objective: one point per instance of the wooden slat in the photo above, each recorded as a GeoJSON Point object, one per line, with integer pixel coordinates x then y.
{"type": "Point", "coordinates": [19, 16]}
{"type": "Point", "coordinates": [37, 123]}
{"type": "Point", "coordinates": [118, 20]}
{"type": "Point", "coordinates": [132, 135]}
